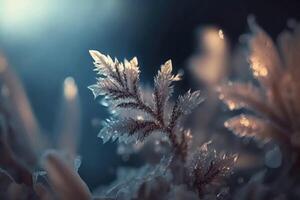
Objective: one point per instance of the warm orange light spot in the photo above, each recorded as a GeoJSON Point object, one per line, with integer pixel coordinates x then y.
{"type": "Point", "coordinates": [258, 69]}
{"type": "Point", "coordinates": [70, 88]}
{"type": "Point", "coordinates": [244, 121]}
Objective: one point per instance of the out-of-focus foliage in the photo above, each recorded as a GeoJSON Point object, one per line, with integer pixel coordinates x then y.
{"type": "Point", "coordinates": [211, 66]}
{"type": "Point", "coordinates": [274, 102]}
{"type": "Point", "coordinates": [25, 173]}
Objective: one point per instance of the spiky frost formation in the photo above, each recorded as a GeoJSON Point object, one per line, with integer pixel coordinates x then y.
{"type": "Point", "coordinates": [119, 83]}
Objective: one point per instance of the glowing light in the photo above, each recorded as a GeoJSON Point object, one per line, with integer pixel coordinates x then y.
{"type": "Point", "coordinates": [244, 121]}
{"type": "Point", "coordinates": [212, 64]}
{"type": "Point", "coordinates": [258, 69]}
{"type": "Point", "coordinates": [226, 124]}
{"type": "Point", "coordinates": [70, 88]}
{"type": "Point", "coordinates": [213, 39]}
{"type": "Point", "coordinates": [221, 34]}
{"type": "Point", "coordinates": [20, 13]}
{"type": "Point", "coordinates": [140, 118]}
{"type": "Point", "coordinates": [188, 134]}
{"type": "Point", "coordinates": [231, 105]}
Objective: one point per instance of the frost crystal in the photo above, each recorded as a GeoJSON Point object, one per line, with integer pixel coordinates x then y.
{"type": "Point", "coordinates": [207, 168]}
{"type": "Point", "coordinates": [134, 116]}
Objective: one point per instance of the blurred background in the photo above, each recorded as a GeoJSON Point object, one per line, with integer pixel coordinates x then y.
{"type": "Point", "coordinates": [46, 41]}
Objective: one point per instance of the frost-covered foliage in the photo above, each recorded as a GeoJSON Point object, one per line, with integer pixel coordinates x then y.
{"type": "Point", "coordinates": [137, 118]}
{"type": "Point", "coordinates": [276, 99]}
{"type": "Point", "coordinates": [134, 117]}
{"type": "Point", "coordinates": [24, 173]}
{"type": "Point", "coordinates": [274, 102]}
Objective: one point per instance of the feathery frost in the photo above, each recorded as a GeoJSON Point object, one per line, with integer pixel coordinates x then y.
{"type": "Point", "coordinates": [207, 168]}
{"type": "Point", "coordinates": [119, 84]}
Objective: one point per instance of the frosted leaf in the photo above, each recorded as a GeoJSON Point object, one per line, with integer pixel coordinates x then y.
{"type": "Point", "coordinates": [116, 79]}
{"type": "Point", "coordinates": [239, 95]}
{"type": "Point", "coordinates": [273, 158]}
{"type": "Point", "coordinates": [104, 64]}
{"type": "Point", "coordinates": [126, 130]}
{"type": "Point", "coordinates": [249, 126]}
{"type": "Point", "coordinates": [162, 87]}
{"type": "Point", "coordinates": [136, 116]}
{"type": "Point", "coordinates": [206, 154]}
{"type": "Point", "coordinates": [108, 132]}
{"type": "Point", "coordinates": [190, 101]}
{"type": "Point", "coordinates": [264, 58]}
{"type": "Point", "coordinates": [278, 77]}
